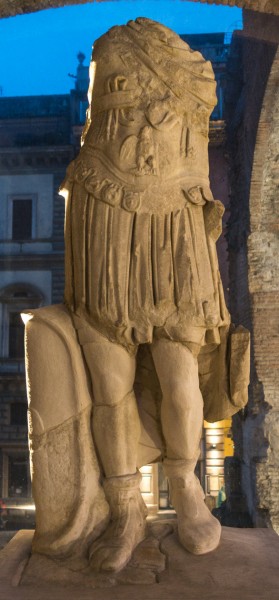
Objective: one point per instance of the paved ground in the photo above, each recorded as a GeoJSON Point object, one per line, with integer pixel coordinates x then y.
{"type": "Point", "coordinates": [244, 567]}
{"type": "Point", "coordinates": [5, 537]}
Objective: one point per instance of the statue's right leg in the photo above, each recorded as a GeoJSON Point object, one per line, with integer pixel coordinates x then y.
{"type": "Point", "coordinates": [116, 429]}
{"type": "Point", "coordinates": [182, 418]}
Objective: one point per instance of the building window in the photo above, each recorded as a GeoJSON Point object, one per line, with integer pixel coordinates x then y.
{"type": "Point", "coordinates": [16, 335]}
{"type": "Point", "coordinates": [18, 476]}
{"type": "Point", "coordinates": [18, 413]}
{"type": "Point", "coordinates": [13, 300]}
{"type": "Point", "coordinates": [22, 219]}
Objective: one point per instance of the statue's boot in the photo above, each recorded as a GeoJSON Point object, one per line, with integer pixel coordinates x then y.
{"type": "Point", "coordinates": [113, 550]}
{"type": "Point", "coordinates": [198, 530]}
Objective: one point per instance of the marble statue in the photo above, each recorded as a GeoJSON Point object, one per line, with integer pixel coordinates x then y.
{"type": "Point", "coordinates": [143, 347]}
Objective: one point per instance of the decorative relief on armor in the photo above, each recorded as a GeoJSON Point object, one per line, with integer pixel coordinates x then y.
{"type": "Point", "coordinates": [145, 152]}
{"type": "Point", "coordinates": [162, 114]}
{"type": "Point", "coordinates": [131, 201]}
{"type": "Point", "coordinates": [139, 152]}
{"type": "Point", "coordinates": [111, 193]}
{"type": "Point", "coordinates": [101, 179]}
{"type": "Point", "coordinates": [81, 171]}
{"type": "Point", "coordinates": [186, 148]}
{"type": "Point", "coordinates": [195, 196]}
{"type": "Point", "coordinates": [115, 106]}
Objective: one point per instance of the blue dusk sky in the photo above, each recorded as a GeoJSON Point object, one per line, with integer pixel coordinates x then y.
{"type": "Point", "coordinates": [39, 50]}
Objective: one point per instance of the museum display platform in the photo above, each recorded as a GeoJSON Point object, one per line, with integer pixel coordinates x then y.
{"type": "Point", "coordinates": [244, 567]}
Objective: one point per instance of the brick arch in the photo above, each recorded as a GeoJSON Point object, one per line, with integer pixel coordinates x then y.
{"type": "Point", "coordinates": [265, 6]}
{"type": "Point", "coordinates": [8, 9]}
{"type": "Point", "coordinates": [263, 279]}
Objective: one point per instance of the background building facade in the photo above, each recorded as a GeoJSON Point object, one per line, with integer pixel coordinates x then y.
{"type": "Point", "coordinates": [38, 138]}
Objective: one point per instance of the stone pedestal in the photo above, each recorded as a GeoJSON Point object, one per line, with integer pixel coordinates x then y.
{"type": "Point", "coordinates": [245, 566]}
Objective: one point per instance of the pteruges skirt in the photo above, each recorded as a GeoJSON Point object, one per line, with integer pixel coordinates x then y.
{"type": "Point", "coordinates": [133, 275]}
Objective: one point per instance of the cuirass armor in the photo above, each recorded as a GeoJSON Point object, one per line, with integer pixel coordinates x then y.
{"type": "Point", "coordinates": [141, 219]}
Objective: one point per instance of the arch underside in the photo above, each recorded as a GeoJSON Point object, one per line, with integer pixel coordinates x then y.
{"type": "Point", "coordinates": [9, 8]}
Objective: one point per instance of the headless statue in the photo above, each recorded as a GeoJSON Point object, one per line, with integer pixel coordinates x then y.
{"type": "Point", "coordinates": [123, 373]}
{"type": "Point", "coordinates": [142, 269]}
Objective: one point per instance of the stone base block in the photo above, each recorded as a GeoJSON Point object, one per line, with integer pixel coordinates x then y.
{"type": "Point", "coordinates": [245, 566]}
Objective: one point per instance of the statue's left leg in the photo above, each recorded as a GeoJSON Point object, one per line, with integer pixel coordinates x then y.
{"type": "Point", "coordinates": [182, 419]}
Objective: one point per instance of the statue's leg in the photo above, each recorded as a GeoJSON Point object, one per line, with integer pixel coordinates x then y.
{"type": "Point", "coordinates": [116, 424]}
{"type": "Point", "coordinates": [116, 429]}
{"type": "Point", "coordinates": [182, 419]}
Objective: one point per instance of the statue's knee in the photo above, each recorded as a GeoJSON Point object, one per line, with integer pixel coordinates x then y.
{"type": "Point", "coordinates": [112, 372]}
{"type": "Point", "coordinates": [181, 394]}
{"type": "Point", "coordinates": [110, 390]}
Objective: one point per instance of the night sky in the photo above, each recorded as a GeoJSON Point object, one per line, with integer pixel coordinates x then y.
{"type": "Point", "coordinates": [39, 50]}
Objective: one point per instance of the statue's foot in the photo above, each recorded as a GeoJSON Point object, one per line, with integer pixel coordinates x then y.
{"type": "Point", "coordinates": [199, 535]}
{"type": "Point", "coordinates": [113, 550]}
{"type": "Point", "coordinates": [198, 530]}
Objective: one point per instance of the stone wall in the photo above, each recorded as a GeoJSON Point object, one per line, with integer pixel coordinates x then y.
{"type": "Point", "coordinates": [265, 6]}
{"type": "Point", "coordinates": [218, 170]}
{"type": "Point", "coordinates": [253, 110]}
{"type": "Point", "coordinates": [263, 250]}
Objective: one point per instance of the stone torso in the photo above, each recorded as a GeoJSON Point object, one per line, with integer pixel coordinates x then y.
{"type": "Point", "coordinates": [140, 239]}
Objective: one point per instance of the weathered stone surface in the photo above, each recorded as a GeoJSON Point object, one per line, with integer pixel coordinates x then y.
{"type": "Point", "coordinates": [147, 554]}
{"type": "Point", "coordinates": [70, 503]}
{"type": "Point", "coordinates": [236, 567]}
{"type": "Point", "coordinates": [254, 217]}
{"type": "Point", "coordinates": [9, 8]}
{"type": "Point", "coordinates": [19, 566]}
{"type": "Point", "coordinates": [244, 566]}
{"type": "Point", "coordinates": [261, 26]}
{"type": "Point", "coordinates": [141, 270]}
{"type": "Point", "coordinates": [263, 248]}
{"type": "Point", "coordinates": [268, 6]}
